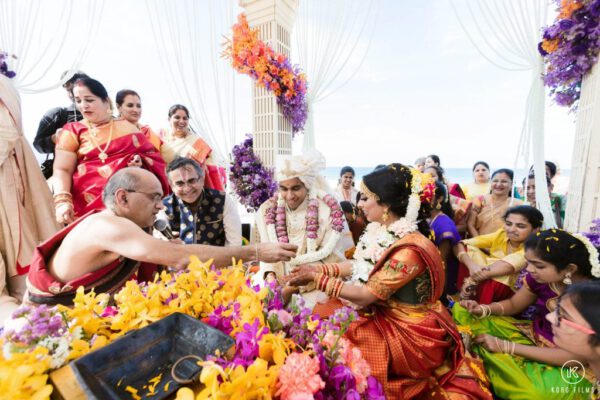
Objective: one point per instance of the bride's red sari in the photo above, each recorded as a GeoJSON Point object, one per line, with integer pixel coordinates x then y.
{"type": "Point", "coordinates": [92, 173]}
{"type": "Point", "coordinates": [408, 337]}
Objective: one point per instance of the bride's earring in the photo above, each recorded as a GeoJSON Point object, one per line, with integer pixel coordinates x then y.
{"type": "Point", "coordinates": [567, 280]}
{"type": "Point", "coordinates": [385, 215]}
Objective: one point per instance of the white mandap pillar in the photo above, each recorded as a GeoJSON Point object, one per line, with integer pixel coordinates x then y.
{"type": "Point", "coordinates": [272, 132]}
{"type": "Point", "coordinates": [583, 196]}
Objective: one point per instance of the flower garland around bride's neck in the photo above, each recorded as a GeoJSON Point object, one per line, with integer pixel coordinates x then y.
{"type": "Point", "coordinates": [374, 242]}
{"type": "Point", "coordinates": [275, 219]}
{"type": "Point", "coordinates": [377, 237]}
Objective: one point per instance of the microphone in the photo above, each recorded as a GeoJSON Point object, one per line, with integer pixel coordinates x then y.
{"type": "Point", "coordinates": [163, 227]}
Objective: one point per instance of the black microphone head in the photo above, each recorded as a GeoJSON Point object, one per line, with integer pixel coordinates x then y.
{"type": "Point", "coordinates": [160, 225]}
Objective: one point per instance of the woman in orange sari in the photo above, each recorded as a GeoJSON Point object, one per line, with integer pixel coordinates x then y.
{"type": "Point", "coordinates": [88, 152]}
{"type": "Point", "coordinates": [129, 105]}
{"type": "Point", "coordinates": [180, 141]}
{"type": "Point", "coordinates": [406, 335]}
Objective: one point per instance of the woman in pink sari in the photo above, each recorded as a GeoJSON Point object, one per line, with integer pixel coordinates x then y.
{"type": "Point", "coordinates": [88, 152]}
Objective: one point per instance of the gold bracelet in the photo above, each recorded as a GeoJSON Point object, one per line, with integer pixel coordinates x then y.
{"type": "Point", "coordinates": [256, 251]}
{"type": "Point", "coordinates": [501, 307]}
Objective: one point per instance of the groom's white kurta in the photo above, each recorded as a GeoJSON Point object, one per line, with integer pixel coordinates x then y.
{"type": "Point", "coordinates": [296, 227]}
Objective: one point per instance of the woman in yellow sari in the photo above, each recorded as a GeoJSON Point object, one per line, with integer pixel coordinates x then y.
{"type": "Point", "coordinates": [520, 356]}
{"type": "Point", "coordinates": [405, 333]}
{"type": "Point", "coordinates": [181, 141]}
{"type": "Point", "coordinates": [494, 261]}
{"type": "Point", "coordinates": [481, 181]}
{"type": "Point", "coordinates": [486, 213]}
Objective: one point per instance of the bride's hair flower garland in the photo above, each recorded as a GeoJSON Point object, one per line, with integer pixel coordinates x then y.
{"type": "Point", "coordinates": [4, 65]}
{"type": "Point", "coordinates": [570, 48]}
{"type": "Point", "coordinates": [377, 238]}
{"type": "Point", "coordinates": [593, 252]}
{"type": "Point", "coordinates": [276, 222]}
{"type": "Point", "coordinates": [251, 181]}
{"type": "Point", "coordinates": [273, 71]}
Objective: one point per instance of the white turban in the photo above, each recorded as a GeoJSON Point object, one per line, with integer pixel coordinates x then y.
{"type": "Point", "coordinates": [306, 167]}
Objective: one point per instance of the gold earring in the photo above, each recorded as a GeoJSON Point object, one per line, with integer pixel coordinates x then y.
{"type": "Point", "coordinates": [385, 216]}
{"type": "Point", "coordinates": [438, 206]}
{"type": "Point", "coordinates": [567, 280]}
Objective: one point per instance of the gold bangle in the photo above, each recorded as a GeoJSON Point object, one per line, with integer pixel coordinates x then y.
{"type": "Point", "coordinates": [501, 307]}
{"type": "Point", "coordinates": [256, 251]}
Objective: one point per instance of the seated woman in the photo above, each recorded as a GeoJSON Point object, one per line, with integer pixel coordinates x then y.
{"type": "Point", "coordinates": [494, 261]}
{"type": "Point", "coordinates": [460, 206]}
{"type": "Point", "coordinates": [181, 141]}
{"type": "Point", "coordinates": [446, 235]}
{"type": "Point", "coordinates": [88, 152]}
{"type": "Point", "coordinates": [406, 335]}
{"type": "Point", "coordinates": [576, 323]}
{"type": "Point", "coordinates": [486, 214]}
{"type": "Point", "coordinates": [481, 181]}
{"type": "Point", "coordinates": [555, 260]}
{"type": "Point", "coordinates": [129, 105]}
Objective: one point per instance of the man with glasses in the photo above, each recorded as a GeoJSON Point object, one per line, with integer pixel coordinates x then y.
{"type": "Point", "coordinates": [104, 249]}
{"type": "Point", "coordinates": [199, 215]}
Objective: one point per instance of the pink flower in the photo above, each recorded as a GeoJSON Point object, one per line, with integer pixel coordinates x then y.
{"type": "Point", "coordinates": [109, 311]}
{"type": "Point", "coordinates": [358, 365]}
{"type": "Point", "coordinates": [299, 377]}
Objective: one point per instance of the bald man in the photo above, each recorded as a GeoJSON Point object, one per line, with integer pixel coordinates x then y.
{"type": "Point", "coordinates": [103, 249]}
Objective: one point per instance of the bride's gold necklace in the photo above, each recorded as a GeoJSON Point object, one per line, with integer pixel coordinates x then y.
{"type": "Point", "coordinates": [94, 132]}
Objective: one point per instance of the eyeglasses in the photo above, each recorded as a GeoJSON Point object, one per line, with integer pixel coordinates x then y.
{"type": "Point", "coordinates": [155, 197]}
{"type": "Point", "coordinates": [561, 318]}
{"type": "Point", "coordinates": [189, 182]}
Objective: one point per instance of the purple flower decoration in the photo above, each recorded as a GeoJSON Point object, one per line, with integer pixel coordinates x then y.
{"type": "Point", "coordinates": [570, 48]}
{"type": "Point", "coordinates": [251, 181]}
{"type": "Point", "coordinates": [246, 344]}
{"type": "Point", "coordinates": [374, 389]}
{"type": "Point", "coordinates": [4, 66]}
{"type": "Point", "coordinates": [594, 233]}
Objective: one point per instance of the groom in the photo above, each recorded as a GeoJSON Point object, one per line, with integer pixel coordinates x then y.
{"type": "Point", "coordinates": [303, 213]}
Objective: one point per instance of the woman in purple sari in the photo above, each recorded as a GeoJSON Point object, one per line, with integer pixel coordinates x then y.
{"type": "Point", "coordinates": [520, 356]}
{"type": "Point", "coordinates": [446, 234]}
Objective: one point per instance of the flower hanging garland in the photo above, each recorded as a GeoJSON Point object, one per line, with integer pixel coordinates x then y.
{"type": "Point", "coordinates": [251, 181]}
{"type": "Point", "coordinates": [4, 56]}
{"type": "Point", "coordinates": [273, 71]}
{"type": "Point", "coordinates": [377, 237]}
{"type": "Point", "coordinates": [275, 220]}
{"type": "Point", "coordinates": [570, 48]}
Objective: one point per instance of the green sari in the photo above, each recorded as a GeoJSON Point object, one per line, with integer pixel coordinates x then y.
{"type": "Point", "coordinates": [515, 377]}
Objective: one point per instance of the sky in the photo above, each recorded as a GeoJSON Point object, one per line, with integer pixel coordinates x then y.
{"type": "Point", "coordinates": [422, 88]}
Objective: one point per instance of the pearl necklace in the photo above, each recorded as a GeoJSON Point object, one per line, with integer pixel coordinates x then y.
{"type": "Point", "coordinates": [94, 132]}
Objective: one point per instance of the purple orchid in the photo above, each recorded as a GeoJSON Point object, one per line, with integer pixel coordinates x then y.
{"type": "Point", "coordinates": [251, 181]}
